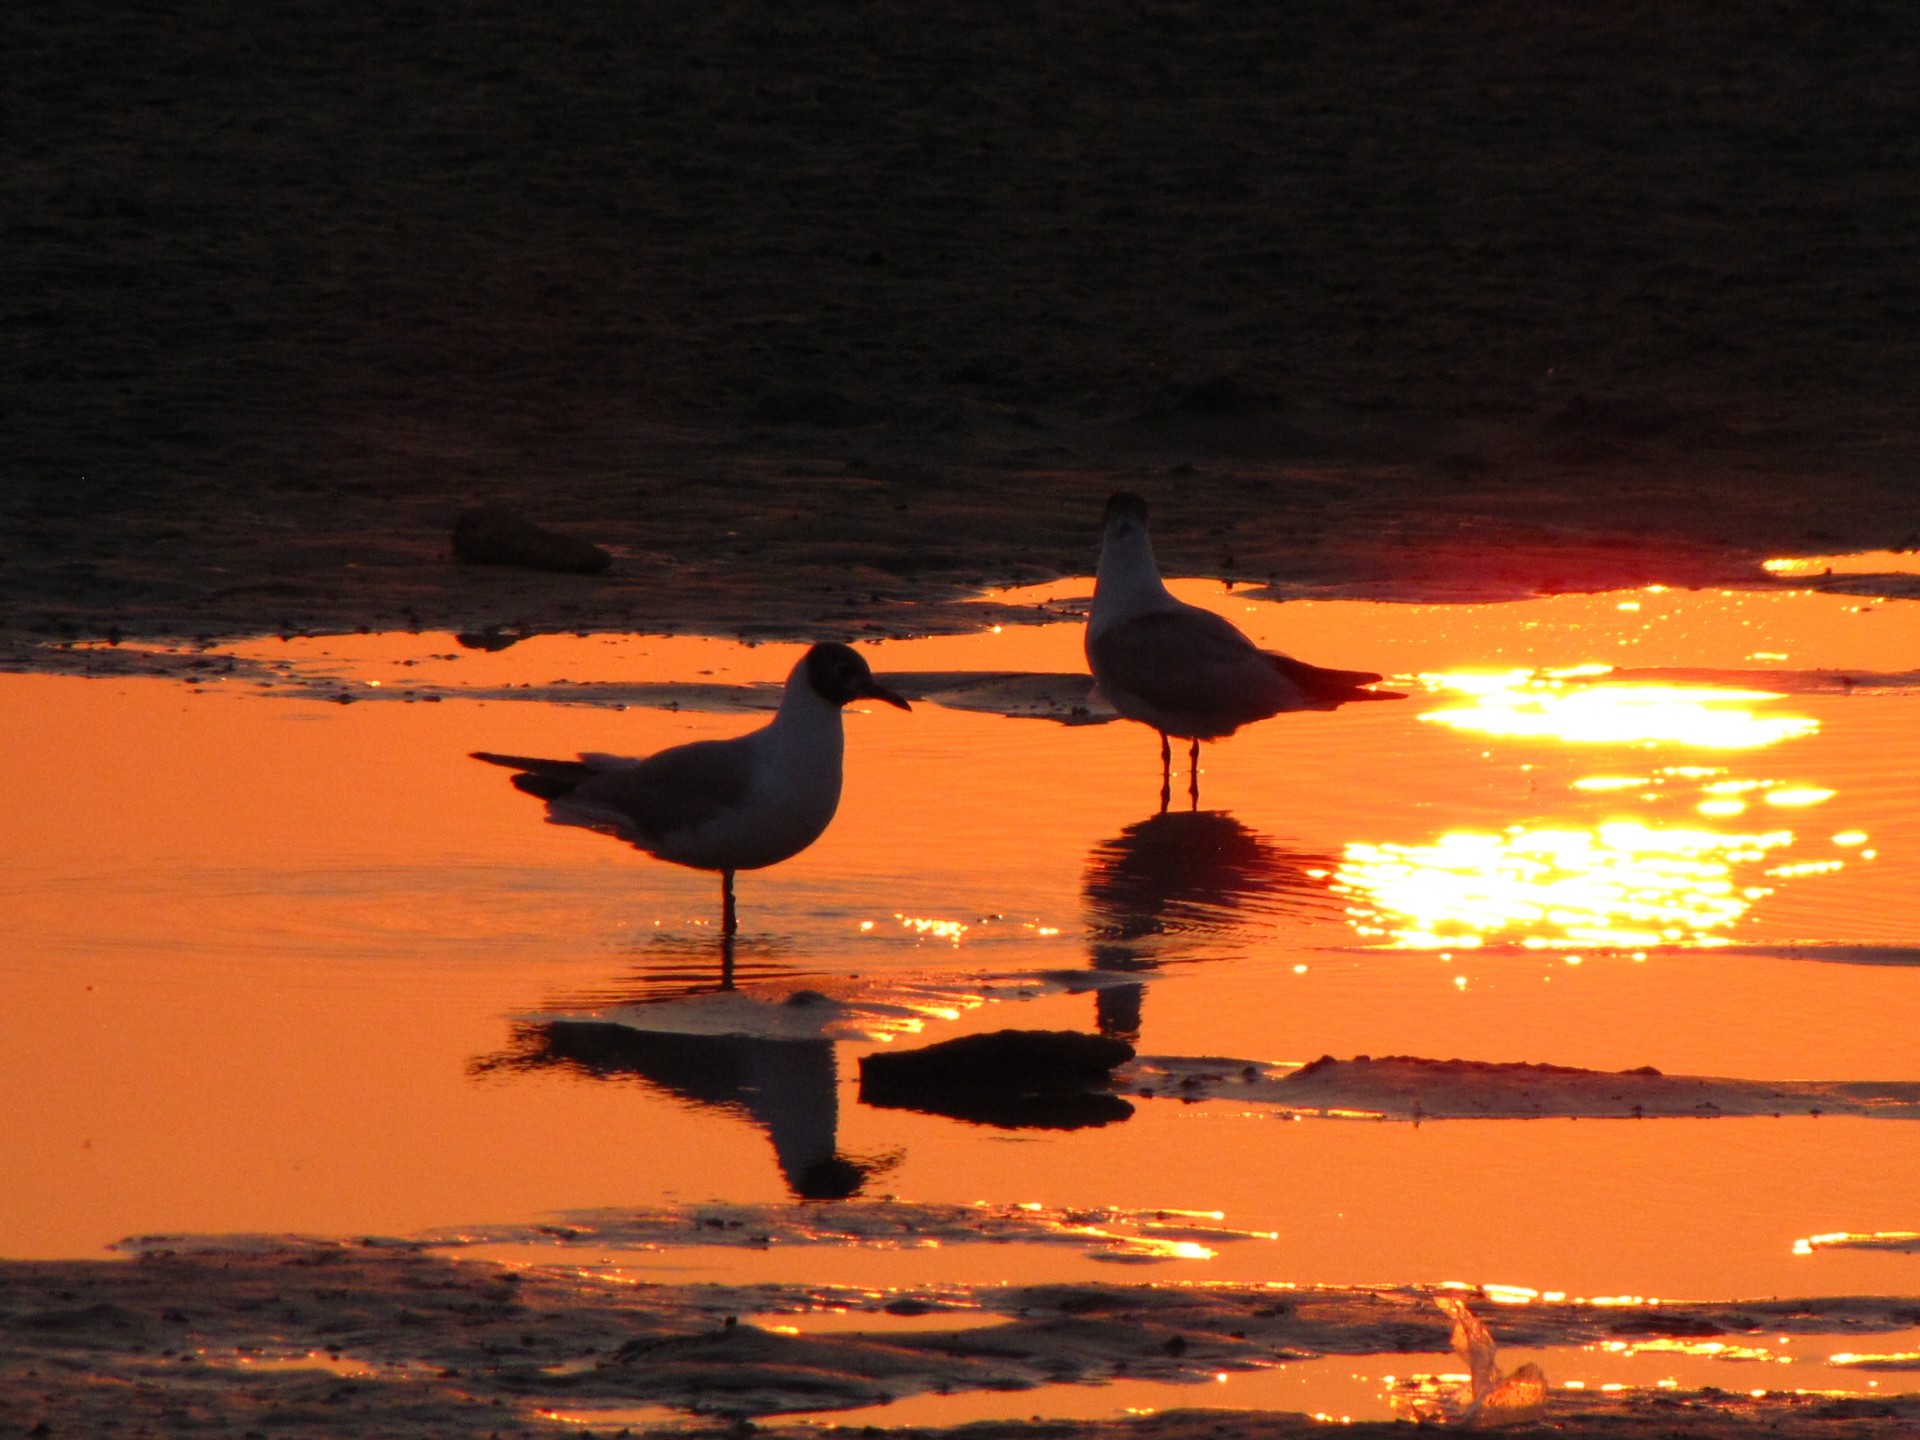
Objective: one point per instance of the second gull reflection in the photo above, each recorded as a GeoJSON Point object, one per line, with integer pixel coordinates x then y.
{"type": "Point", "coordinates": [1177, 877]}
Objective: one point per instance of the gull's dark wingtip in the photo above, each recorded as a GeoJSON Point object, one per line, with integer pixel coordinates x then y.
{"type": "Point", "coordinates": [1324, 689]}
{"type": "Point", "coordinates": [547, 779]}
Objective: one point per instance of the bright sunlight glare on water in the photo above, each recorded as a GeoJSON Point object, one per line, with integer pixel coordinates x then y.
{"type": "Point", "coordinates": [1570, 706]}
{"type": "Point", "coordinates": [1866, 562]}
{"type": "Point", "coordinates": [1623, 885]}
{"type": "Point", "coordinates": [1626, 882]}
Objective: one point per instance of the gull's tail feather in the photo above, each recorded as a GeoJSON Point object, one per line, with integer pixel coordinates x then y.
{"type": "Point", "coordinates": [547, 779]}
{"type": "Point", "coordinates": [1325, 689]}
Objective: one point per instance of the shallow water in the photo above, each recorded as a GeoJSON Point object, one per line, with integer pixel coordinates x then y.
{"type": "Point", "coordinates": [1347, 1387]}
{"type": "Point", "coordinates": [280, 963]}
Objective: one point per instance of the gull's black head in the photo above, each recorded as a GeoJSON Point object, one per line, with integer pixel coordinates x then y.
{"type": "Point", "coordinates": [838, 675]}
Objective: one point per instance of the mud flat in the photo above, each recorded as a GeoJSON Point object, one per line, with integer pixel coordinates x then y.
{"type": "Point", "coordinates": [240, 1335]}
{"type": "Point", "coordinates": [1408, 1087]}
{"type": "Point", "coordinates": [816, 324]}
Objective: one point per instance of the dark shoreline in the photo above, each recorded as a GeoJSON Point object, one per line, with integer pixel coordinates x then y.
{"type": "Point", "coordinates": [807, 310]}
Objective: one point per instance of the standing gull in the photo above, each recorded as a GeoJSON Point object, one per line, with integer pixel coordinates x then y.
{"type": "Point", "coordinates": [726, 805]}
{"type": "Point", "coordinates": [1184, 670]}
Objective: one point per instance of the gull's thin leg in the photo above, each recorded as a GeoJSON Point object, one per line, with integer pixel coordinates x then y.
{"type": "Point", "coordinates": [1193, 776]}
{"type": "Point", "coordinates": [726, 961]}
{"type": "Point", "coordinates": [1166, 772]}
{"type": "Point", "coordinates": [729, 919]}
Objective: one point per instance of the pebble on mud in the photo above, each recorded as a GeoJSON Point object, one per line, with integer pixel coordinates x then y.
{"type": "Point", "coordinates": [488, 535]}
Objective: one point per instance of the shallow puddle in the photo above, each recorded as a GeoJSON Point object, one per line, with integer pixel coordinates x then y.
{"type": "Point", "coordinates": [279, 963]}
{"type": "Point", "coordinates": [1343, 1388]}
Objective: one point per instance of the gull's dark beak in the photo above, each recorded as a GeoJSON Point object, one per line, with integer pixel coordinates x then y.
{"type": "Point", "coordinates": [872, 689]}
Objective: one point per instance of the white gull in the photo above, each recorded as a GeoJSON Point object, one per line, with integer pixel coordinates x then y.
{"type": "Point", "coordinates": [1183, 670]}
{"type": "Point", "coordinates": [725, 805]}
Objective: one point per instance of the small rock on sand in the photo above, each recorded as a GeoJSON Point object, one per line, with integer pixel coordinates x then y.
{"type": "Point", "coordinates": [488, 535]}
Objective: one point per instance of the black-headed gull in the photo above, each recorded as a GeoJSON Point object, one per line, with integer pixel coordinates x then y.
{"type": "Point", "coordinates": [725, 805]}
{"type": "Point", "coordinates": [1183, 670]}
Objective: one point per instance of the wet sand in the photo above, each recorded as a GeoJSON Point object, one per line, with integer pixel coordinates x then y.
{"type": "Point", "coordinates": [279, 1335]}
{"type": "Point", "coordinates": [821, 324]}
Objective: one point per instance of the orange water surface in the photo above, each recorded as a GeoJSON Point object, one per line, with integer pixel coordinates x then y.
{"type": "Point", "coordinates": [272, 959]}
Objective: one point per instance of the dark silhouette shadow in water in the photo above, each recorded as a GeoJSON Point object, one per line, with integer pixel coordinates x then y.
{"type": "Point", "coordinates": [1015, 1110]}
{"type": "Point", "coordinates": [1011, 1079]}
{"type": "Point", "coordinates": [1167, 882]}
{"type": "Point", "coordinates": [789, 1088]}
{"type": "Point", "coordinates": [1153, 893]}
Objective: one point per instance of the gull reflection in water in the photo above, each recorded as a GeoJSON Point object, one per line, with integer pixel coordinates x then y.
{"type": "Point", "coordinates": [1164, 886]}
{"type": "Point", "coordinates": [789, 1087]}
{"type": "Point", "coordinates": [668, 965]}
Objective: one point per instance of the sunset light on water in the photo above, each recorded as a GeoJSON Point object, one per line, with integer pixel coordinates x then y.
{"type": "Point", "coordinates": [1626, 882]}
{"type": "Point", "coordinates": [1623, 886]}
{"type": "Point", "coordinates": [1541, 856]}
{"type": "Point", "coordinates": [1569, 706]}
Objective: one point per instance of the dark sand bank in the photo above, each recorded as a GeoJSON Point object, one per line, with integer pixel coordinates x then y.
{"type": "Point", "coordinates": [817, 319]}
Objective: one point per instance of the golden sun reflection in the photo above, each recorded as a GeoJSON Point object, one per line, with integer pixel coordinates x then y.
{"type": "Point", "coordinates": [1866, 562]}
{"type": "Point", "coordinates": [949, 930]}
{"type": "Point", "coordinates": [1617, 885]}
{"type": "Point", "coordinates": [1799, 795]}
{"type": "Point", "coordinates": [1561, 705]}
